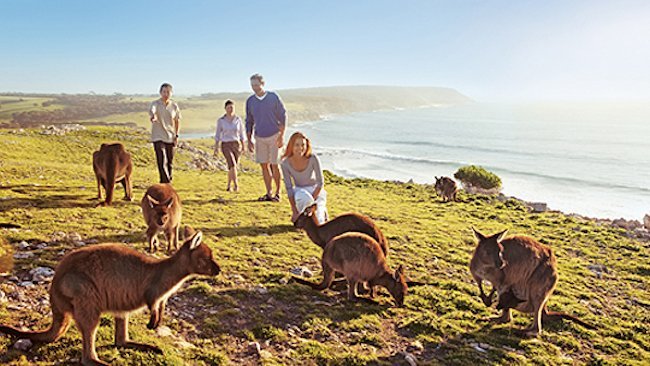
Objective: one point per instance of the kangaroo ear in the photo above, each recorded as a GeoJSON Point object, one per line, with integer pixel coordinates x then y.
{"type": "Point", "coordinates": [501, 235]}
{"type": "Point", "coordinates": [196, 240]}
{"type": "Point", "coordinates": [152, 201]}
{"type": "Point", "coordinates": [478, 235]}
{"type": "Point", "coordinates": [188, 231]}
{"type": "Point", "coordinates": [399, 272]}
{"type": "Point", "coordinates": [169, 202]}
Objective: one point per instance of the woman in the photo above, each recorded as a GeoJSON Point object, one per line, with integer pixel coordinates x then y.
{"type": "Point", "coordinates": [303, 178]}
{"type": "Point", "coordinates": [230, 133]}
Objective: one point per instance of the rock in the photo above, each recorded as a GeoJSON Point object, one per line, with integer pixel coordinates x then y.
{"type": "Point", "coordinates": [478, 348]}
{"type": "Point", "coordinates": [74, 237]}
{"type": "Point", "coordinates": [23, 245]}
{"type": "Point", "coordinates": [255, 249]}
{"type": "Point", "coordinates": [625, 224]}
{"type": "Point", "coordinates": [410, 359]}
{"type": "Point", "coordinates": [164, 331]}
{"type": "Point", "coordinates": [537, 207]}
{"type": "Point", "coordinates": [302, 271]}
{"type": "Point", "coordinates": [598, 269]}
{"type": "Point", "coordinates": [283, 281]}
{"type": "Point", "coordinates": [23, 255]}
{"type": "Point", "coordinates": [260, 289]}
{"type": "Point", "coordinates": [23, 344]}
{"type": "Point", "coordinates": [26, 284]}
{"type": "Point", "coordinates": [646, 221]}
{"type": "Point", "coordinates": [41, 246]}
{"type": "Point", "coordinates": [3, 297]}
{"type": "Point", "coordinates": [41, 274]}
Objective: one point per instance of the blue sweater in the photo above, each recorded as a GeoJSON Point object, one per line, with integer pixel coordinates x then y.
{"type": "Point", "coordinates": [266, 115]}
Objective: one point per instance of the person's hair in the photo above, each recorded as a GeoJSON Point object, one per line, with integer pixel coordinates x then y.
{"type": "Point", "coordinates": [228, 102]}
{"type": "Point", "coordinates": [257, 77]}
{"type": "Point", "coordinates": [288, 152]}
{"type": "Point", "coordinates": [166, 85]}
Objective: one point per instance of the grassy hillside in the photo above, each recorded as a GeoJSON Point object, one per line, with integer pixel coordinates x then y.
{"type": "Point", "coordinates": [200, 113]}
{"type": "Point", "coordinates": [47, 186]}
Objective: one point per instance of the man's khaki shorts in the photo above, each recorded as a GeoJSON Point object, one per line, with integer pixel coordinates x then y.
{"type": "Point", "coordinates": [266, 149]}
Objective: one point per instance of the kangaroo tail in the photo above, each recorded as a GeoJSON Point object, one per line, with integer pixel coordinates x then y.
{"type": "Point", "coordinates": [316, 286]}
{"type": "Point", "coordinates": [555, 315]}
{"type": "Point", "coordinates": [60, 324]}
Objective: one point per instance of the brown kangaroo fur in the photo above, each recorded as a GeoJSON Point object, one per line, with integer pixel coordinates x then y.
{"type": "Point", "coordinates": [524, 273]}
{"type": "Point", "coordinates": [360, 258]}
{"type": "Point", "coordinates": [162, 210]}
{"type": "Point", "coordinates": [113, 278]}
{"type": "Point", "coordinates": [446, 188]}
{"type": "Point", "coordinates": [112, 164]}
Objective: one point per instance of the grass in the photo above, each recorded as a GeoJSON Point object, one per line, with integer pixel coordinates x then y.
{"type": "Point", "coordinates": [47, 186]}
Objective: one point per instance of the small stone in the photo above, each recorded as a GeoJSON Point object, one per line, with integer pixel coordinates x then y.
{"type": "Point", "coordinates": [255, 249]}
{"type": "Point", "coordinates": [410, 359]}
{"type": "Point", "coordinates": [164, 331]}
{"type": "Point", "coordinates": [477, 347]}
{"type": "Point", "coordinates": [23, 344]}
{"type": "Point", "coordinates": [416, 346]}
{"type": "Point", "coordinates": [301, 271]}
{"type": "Point", "coordinates": [23, 245]}
{"type": "Point", "coordinates": [26, 284]}
{"type": "Point", "coordinates": [184, 344]}
{"type": "Point", "coordinates": [3, 297]}
{"type": "Point", "coordinates": [74, 237]}
{"type": "Point", "coordinates": [24, 255]}
{"type": "Point", "coordinates": [41, 274]}
{"type": "Point", "coordinates": [260, 289]}
{"type": "Point", "coordinates": [283, 281]}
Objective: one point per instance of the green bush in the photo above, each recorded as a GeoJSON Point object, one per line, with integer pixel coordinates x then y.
{"type": "Point", "coordinates": [478, 177]}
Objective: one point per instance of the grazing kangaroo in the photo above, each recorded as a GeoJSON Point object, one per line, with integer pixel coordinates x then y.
{"type": "Point", "coordinates": [113, 278]}
{"type": "Point", "coordinates": [360, 258]}
{"type": "Point", "coordinates": [112, 164]}
{"type": "Point", "coordinates": [523, 272]}
{"type": "Point", "coordinates": [446, 188]}
{"type": "Point", "coordinates": [322, 234]}
{"type": "Point", "coordinates": [161, 208]}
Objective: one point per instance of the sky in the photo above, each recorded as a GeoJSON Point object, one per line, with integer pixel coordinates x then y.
{"type": "Point", "coordinates": [488, 50]}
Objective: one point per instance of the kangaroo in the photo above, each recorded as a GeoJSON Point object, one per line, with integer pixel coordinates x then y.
{"type": "Point", "coordinates": [446, 188]}
{"type": "Point", "coordinates": [161, 208]}
{"type": "Point", "coordinates": [524, 273]}
{"type": "Point", "coordinates": [112, 164]}
{"type": "Point", "coordinates": [322, 234]}
{"type": "Point", "coordinates": [117, 279]}
{"type": "Point", "coordinates": [360, 258]}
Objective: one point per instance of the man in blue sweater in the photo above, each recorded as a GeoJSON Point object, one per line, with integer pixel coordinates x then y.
{"type": "Point", "coordinates": [266, 116]}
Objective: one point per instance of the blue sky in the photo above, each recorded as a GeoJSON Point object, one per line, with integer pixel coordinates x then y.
{"type": "Point", "coordinates": [489, 50]}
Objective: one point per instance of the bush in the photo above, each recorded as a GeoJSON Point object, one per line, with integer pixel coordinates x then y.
{"type": "Point", "coordinates": [477, 176]}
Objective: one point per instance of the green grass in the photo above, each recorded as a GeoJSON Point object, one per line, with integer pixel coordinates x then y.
{"type": "Point", "coordinates": [47, 186]}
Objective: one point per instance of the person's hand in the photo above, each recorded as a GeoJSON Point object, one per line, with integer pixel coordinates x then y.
{"type": "Point", "coordinates": [153, 119]}
{"type": "Point", "coordinates": [279, 142]}
{"type": "Point", "coordinates": [251, 146]}
{"type": "Point", "coordinates": [294, 216]}
{"type": "Point", "coordinates": [175, 141]}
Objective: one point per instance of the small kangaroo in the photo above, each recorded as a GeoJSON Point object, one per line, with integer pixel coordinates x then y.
{"type": "Point", "coordinates": [360, 258]}
{"type": "Point", "coordinates": [112, 164]}
{"type": "Point", "coordinates": [162, 210]}
{"type": "Point", "coordinates": [524, 273]}
{"type": "Point", "coordinates": [446, 188]}
{"type": "Point", "coordinates": [113, 278]}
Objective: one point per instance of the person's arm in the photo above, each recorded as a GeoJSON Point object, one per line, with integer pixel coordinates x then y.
{"type": "Point", "coordinates": [288, 185]}
{"type": "Point", "coordinates": [217, 136]}
{"type": "Point", "coordinates": [250, 122]}
{"type": "Point", "coordinates": [281, 116]}
{"type": "Point", "coordinates": [152, 112]}
{"type": "Point", "coordinates": [320, 181]}
{"type": "Point", "coordinates": [242, 134]}
{"type": "Point", "coordinates": [177, 124]}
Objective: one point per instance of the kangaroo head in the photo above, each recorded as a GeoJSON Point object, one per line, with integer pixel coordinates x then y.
{"type": "Point", "coordinates": [161, 210]}
{"type": "Point", "coordinates": [489, 249]}
{"type": "Point", "coordinates": [398, 287]}
{"type": "Point", "coordinates": [201, 261]}
{"type": "Point", "coordinates": [306, 215]}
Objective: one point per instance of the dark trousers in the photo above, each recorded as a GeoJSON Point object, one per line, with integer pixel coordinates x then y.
{"type": "Point", "coordinates": [164, 158]}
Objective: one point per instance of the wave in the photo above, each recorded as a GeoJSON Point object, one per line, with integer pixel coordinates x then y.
{"type": "Point", "coordinates": [335, 151]}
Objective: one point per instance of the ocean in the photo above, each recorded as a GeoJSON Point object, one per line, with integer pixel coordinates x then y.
{"type": "Point", "coordinates": [580, 160]}
{"type": "Point", "coordinates": [589, 160]}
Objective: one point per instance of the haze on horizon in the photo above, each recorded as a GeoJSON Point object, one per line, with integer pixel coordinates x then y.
{"type": "Point", "coordinates": [487, 50]}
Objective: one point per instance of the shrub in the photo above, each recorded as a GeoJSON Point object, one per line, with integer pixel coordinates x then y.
{"type": "Point", "coordinates": [477, 176]}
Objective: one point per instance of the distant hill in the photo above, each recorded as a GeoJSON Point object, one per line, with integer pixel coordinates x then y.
{"type": "Point", "coordinates": [200, 112]}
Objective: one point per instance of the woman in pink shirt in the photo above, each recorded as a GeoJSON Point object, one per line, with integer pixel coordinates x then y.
{"type": "Point", "coordinates": [230, 133]}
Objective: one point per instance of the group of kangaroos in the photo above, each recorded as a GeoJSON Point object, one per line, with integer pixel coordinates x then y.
{"type": "Point", "coordinates": [114, 278]}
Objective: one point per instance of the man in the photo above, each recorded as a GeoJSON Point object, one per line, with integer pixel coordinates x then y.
{"type": "Point", "coordinates": [165, 117]}
{"type": "Point", "coordinates": [265, 114]}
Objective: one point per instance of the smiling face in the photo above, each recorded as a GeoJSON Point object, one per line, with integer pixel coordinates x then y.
{"type": "Point", "coordinates": [230, 109]}
{"type": "Point", "coordinates": [166, 93]}
{"type": "Point", "coordinates": [299, 147]}
{"type": "Point", "coordinates": [257, 86]}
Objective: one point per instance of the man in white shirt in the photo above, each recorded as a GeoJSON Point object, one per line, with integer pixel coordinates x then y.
{"type": "Point", "coordinates": [165, 117]}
